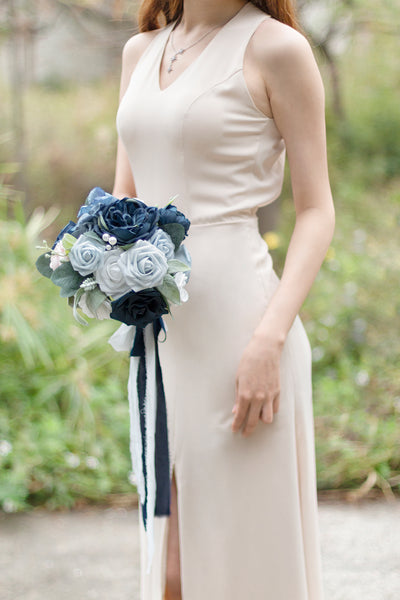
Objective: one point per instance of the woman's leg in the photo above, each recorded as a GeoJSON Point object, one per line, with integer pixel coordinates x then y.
{"type": "Point", "coordinates": [173, 575]}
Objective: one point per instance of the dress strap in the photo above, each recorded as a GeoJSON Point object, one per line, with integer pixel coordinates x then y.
{"type": "Point", "coordinates": [232, 43]}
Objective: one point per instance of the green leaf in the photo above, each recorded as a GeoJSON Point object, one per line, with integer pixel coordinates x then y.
{"type": "Point", "coordinates": [174, 266]}
{"type": "Point", "coordinates": [93, 237]}
{"type": "Point", "coordinates": [170, 290]}
{"type": "Point", "coordinates": [171, 200]}
{"type": "Point", "coordinates": [43, 265]}
{"type": "Point", "coordinates": [176, 231]}
{"type": "Point", "coordinates": [68, 241]}
{"type": "Point", "coordinates": [67, 279]}
{"type": "Point", "coordinates": [94, 299]}
{"type": "Point", "coordinates": [102, 223]}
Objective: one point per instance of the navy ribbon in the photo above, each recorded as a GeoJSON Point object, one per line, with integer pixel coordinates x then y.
{"type": "Point", "coordinates": [161, 458]}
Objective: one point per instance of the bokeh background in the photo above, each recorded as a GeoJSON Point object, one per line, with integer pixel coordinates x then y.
{"type": "Point", "coordinates": [64, 429]}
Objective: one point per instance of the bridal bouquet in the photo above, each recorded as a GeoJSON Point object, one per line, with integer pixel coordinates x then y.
{"type": "Point", "coordinates": [126, 261]}
{"type": "Point", "coordinates": [122, 260]}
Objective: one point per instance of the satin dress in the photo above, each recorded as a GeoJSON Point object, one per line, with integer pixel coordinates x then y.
{"type": "Point", "coordinates": [247, 507]}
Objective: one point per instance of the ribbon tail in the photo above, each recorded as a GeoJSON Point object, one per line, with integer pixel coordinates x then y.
{"type": "Point", "coordinates": [148, 429]}
{"type": "Point", "coordinates": [162, 454]}
{"type": "Point", "coordinates": [150, 420]}
{"type": "Point", "coordinates": [136, 449]}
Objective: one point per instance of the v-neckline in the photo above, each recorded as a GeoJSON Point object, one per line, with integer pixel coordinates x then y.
{"type": "Point", "coordinates": [164, 45]}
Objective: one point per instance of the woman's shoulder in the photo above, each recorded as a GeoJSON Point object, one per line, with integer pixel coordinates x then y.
{"type": "Point", "coordinates": [136, 45]}
{"type": "Point", "coordinates": [275, 44]}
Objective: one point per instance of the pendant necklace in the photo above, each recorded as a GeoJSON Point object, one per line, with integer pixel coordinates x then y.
{"type": "Point", "coordinates": [174, 57]}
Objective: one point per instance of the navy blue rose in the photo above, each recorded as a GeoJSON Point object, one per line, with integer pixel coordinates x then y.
{"type": "Point", "coordinates": [69, 228]}
{"type": "Point", "coordinates": [139, 308]}
{"type": "Point", "coordinates": [170, 214]}
{"type": "Point", "coordinates": [127, 220]}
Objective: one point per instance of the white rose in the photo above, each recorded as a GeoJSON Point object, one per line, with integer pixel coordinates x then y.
{"type": "Point", "coordinates": [181, 280]}
{"type": "Point", "coordinates": [103, 311]}
{"type": "Point", "coordinates": [109, 275]}
{"type": "Point", "coordinates": [144, 266]}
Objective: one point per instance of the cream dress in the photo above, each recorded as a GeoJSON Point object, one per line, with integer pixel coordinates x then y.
{"type": "Point", "coordinates": [247, 507]}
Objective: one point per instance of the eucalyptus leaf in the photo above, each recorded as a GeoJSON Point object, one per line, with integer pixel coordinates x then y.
{"type": "Point", "coordinates": [43, 265]}
{"type": "Point", "coordinates": [67, 279]}
{"type": "Point", "coordinates": [174, 266]}
{"type": "Point", "coordinates": [176, 231]}
{"type": "Point", "coordinates": [93, 237]}
{"type": "Point", "coordinates": [76, 314]}
{"type": "Point", "coordinates": [94, 299]}
{"type": "Point", "coordinates": [170, 290]}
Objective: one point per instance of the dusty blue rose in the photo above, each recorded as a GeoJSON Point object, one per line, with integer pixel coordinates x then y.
{"type": "Point", "coordinates": [139, 308]}
{"type": "Point", "coordinates": [127, 220]}
{"type": "Point", "coordinates": [85, 255]}
{"type": "Point", "coordinates": [97, 199]}
{"type": "Point", "coordinates": [161, 240]}
{"type": "Point", "coordinates": [143, 266]}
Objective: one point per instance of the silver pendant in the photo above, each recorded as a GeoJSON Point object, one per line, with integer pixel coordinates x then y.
{"type": "Point", "coordinates": [174, 58]}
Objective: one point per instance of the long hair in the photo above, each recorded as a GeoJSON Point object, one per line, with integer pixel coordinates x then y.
{"type": "Point", "coordinates": [151, 11]}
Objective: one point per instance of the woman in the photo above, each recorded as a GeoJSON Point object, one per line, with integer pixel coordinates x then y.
{"type": "Point", "coordinates": [211, 124]}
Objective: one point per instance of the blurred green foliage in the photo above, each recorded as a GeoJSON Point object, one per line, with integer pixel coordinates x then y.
{"type": "Point", "coordinates": [352, 314]}
{"type": "Point", "coordinates": [63, 412]}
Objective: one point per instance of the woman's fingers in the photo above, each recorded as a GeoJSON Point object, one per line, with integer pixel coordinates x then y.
{"type": "Point", "coordinates": [276, 403]}
{"type": "Point", "coordinates": [251, 406]}
{"type": "Point", "coordinates": [252, 418]}
{"type": "Point", "coordinates": [242, 405]}
{"type": "Point", "coordinates": [267, 412]}
{"type": "Point", "coordinates": [248, 411]}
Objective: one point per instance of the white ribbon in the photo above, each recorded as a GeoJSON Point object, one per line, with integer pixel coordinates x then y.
{"type": "Point", "coordinates": [122, 340]}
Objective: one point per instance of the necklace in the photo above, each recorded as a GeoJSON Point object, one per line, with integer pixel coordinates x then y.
{"type": "Point", "coordinates": [174, 57]}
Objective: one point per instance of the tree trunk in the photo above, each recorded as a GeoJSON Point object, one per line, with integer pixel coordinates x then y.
{"type": "Point", "coordinates": [17, 87]}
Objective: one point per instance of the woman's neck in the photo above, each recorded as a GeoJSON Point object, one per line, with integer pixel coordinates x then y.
{"type": "Point", "coordinates": [199, 15]}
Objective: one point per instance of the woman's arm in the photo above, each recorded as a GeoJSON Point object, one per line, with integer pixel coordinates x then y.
{"type": "Point", "coordinates": [296, 96]}
{"type": "Point", "coordinates": [124, 185]}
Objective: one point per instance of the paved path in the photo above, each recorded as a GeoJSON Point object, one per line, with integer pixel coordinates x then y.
{"type": "Point", "coordinates": [93, 554]}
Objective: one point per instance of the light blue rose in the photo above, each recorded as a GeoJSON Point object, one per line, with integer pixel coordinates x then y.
{"type": "Point", "coordinates": [143, 266]}
{"type": "Point", "coordinates": [161, 240]}
{"type": "Point", "coordinates": [86, 254]}
{"type": "Point", "coordinates": [109, 275]}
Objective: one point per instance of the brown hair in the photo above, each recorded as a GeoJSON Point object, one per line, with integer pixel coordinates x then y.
{"type": "Point", "coordinates": [150, 12]}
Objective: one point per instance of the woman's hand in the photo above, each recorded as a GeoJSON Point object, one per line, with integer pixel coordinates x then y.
{"type": "Point", "coordinates": [257, 384]}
